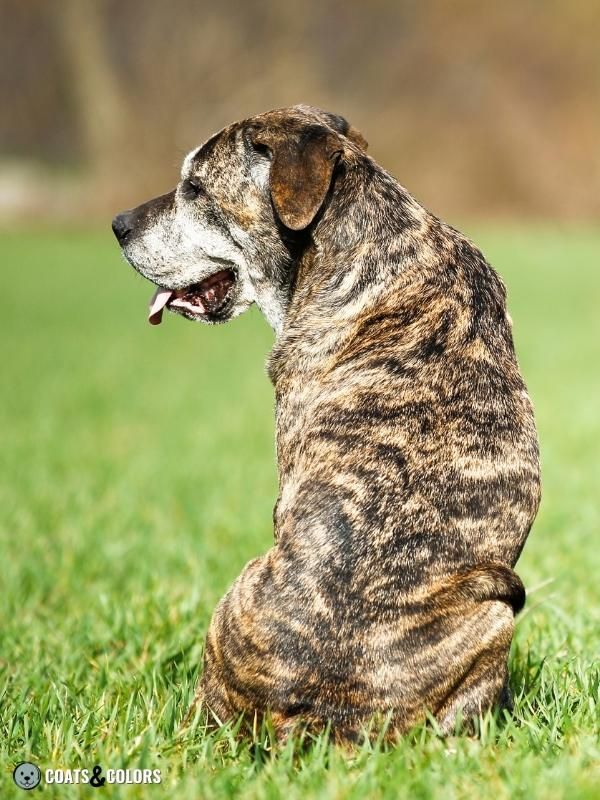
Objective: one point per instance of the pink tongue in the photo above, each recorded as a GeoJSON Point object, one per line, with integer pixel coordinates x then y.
{"type": "Point", "coordinates": [160, 298]}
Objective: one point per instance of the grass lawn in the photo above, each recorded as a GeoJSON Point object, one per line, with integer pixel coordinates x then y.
{"type": "Point", "coordinates": [137, 476]}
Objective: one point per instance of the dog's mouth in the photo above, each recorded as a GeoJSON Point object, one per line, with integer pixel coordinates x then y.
{"type": "Point", "coordinates": [208, 299]}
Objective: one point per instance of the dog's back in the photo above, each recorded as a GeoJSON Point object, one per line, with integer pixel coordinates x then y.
{"type": "Point", "coordinates": [409, 479]}
{"type": "Point", "coordinates": [403, 420]}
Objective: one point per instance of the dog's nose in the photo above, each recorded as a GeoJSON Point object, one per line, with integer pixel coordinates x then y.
{"type": "Point", "coordinates": [122, 226]}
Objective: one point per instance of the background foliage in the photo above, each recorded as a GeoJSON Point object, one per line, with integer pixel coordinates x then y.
{"type": "Point", "coordinates": [479, 108]}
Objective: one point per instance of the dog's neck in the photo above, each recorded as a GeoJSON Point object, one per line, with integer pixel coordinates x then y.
{"type": "Point", "coordinates": [365, 241]}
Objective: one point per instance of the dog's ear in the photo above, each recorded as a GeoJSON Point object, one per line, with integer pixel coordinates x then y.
{"type": "Point", "coordinates": [301, 170]}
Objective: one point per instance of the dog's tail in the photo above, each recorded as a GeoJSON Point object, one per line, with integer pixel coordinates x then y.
{"type": "Point", "coordinates": [488, 581]}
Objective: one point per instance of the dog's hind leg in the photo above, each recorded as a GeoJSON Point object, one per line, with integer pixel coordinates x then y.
{"type": "Point", "coordinates": [483, 686]}
{"type": "Point", "coordinates": [489, 595]}
{"type": "Point", "coordinates": [237, 655]}
{"type": "Point", "coordinates": [211, 699]}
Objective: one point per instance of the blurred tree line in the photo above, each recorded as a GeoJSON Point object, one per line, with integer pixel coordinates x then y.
{"type": "Point", "coordinates": [479, 108]}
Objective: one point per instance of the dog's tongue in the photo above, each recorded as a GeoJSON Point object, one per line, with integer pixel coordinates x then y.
{"type": "Point", "coordinates": [160, 298]}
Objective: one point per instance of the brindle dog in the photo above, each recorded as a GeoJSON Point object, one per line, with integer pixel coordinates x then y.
{"type": "Point", "coordinates": [406, 443]}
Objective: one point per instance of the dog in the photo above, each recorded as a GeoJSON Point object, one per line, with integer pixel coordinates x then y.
{"type": "Point", "coordinates": [406, 443]}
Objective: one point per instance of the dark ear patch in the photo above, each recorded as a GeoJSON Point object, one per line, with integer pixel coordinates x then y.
{"type": "Point", "coordinates": [301, 171]}
{"type": "Point", "coordinates": [338, 123]}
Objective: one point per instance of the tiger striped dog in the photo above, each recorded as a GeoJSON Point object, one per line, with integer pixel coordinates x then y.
{"type": "Point", "coordinates": [406, 443]}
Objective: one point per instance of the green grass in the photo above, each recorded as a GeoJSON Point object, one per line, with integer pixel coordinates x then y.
{"type": "Point", "coordinates": [137, 476]}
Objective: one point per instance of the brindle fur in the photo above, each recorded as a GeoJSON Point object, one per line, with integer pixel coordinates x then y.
{"type": "Point", "coordinates": [406, 444]}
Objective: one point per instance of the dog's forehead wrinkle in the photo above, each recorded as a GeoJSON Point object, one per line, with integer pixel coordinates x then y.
{"type": "Point", "coordinates": [198, 156]}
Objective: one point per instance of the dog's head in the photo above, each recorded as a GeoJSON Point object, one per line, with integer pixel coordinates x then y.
{"type": "Point", "coordinates": [229, 233]}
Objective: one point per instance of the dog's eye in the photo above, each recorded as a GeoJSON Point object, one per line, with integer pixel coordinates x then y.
{"type": "Point", "coordinates": [262, 149]}
{"type": "Point", "coordinates": [191, 190]}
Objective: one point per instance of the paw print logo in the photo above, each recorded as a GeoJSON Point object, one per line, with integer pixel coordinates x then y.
{"type": "Point", "coordinates": [26, 775]}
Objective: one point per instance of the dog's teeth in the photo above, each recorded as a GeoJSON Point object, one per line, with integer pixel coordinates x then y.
{"type": "Point", "coordinates": [210, 295]}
